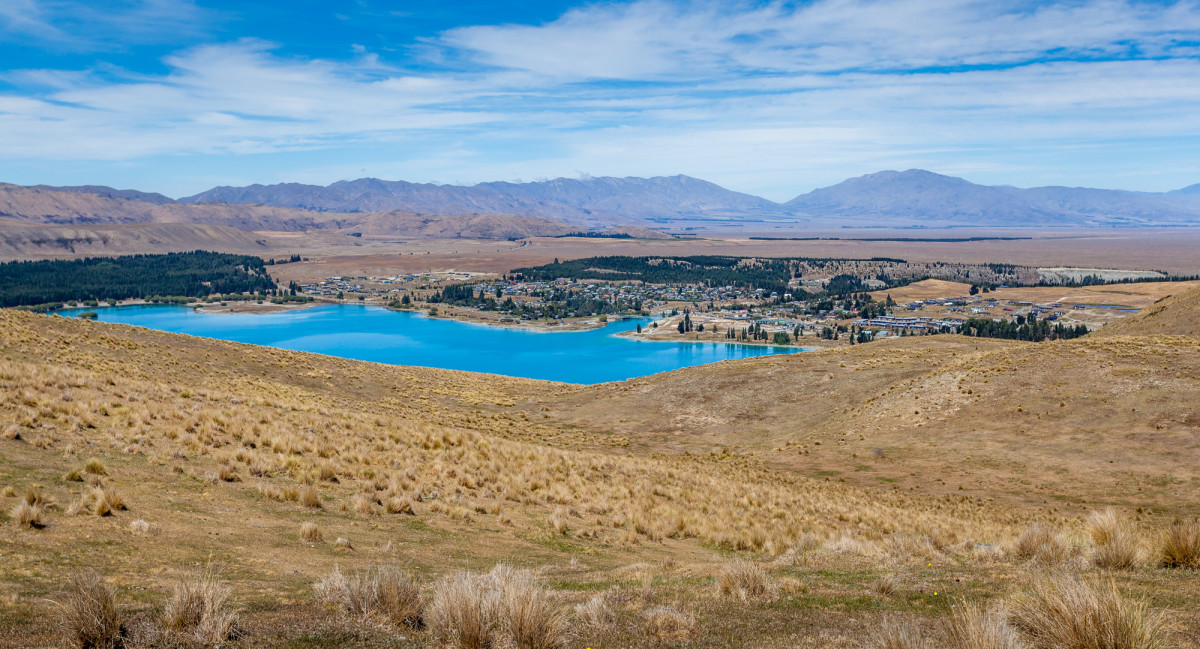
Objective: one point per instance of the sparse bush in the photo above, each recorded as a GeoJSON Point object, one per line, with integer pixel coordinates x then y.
{"type": "Point", "coordinates": [970, 626]}
{"type": "Point", "coordinates": [89, 615]}
{"type": "Point", "coordinates": [343, 542]}
{"type": "Point", "coordinates": [745, 580]}
{"type": "Point", "coordinates": [1069, 611]}
{"type": "Point", "coordinates": [199, 609]}
{"type": "Point", "coordinates": [1180, 547]}
{"type": "Point", "coordinates": [310, 532]}
{"type": "Point", "coordinates": [139, 526]}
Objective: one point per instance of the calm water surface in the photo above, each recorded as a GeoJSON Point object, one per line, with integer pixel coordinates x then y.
{"type": "Point", "coordinates": [377, 334]}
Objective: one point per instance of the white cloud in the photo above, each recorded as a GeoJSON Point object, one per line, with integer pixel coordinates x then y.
{"type": "Point", "coordinates": [767, 98]}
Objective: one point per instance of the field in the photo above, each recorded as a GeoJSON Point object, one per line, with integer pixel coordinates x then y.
{"type": "Point", "coordinates": [795, 501]}
{"type": "Point", "coordinates": [1167, 250]}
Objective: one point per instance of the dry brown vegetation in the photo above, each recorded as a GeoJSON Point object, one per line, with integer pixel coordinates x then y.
{"type": "Point", "coordinates": [705, 506]}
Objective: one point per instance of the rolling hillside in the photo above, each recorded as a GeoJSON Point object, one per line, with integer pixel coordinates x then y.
{"type": "Point", "coordinates": [28, 217]}
{"type": "Point", "coordinates": [639, 492]}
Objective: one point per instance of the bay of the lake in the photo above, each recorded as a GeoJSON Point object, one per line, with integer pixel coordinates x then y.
{"type": "Point", "coordinates": [371, 333]}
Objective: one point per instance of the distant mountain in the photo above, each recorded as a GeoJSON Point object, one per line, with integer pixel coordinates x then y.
{"type": "Point", "coordinates": [588, 202]}
{"type": "Point", "coordinates": [884, 199]}
{"type": "Point", "coordinates": [917, 197]}
{"type": "Point", "coordinates": [27, 207]}
{"type": "Point", "coordinates": [127, 194]}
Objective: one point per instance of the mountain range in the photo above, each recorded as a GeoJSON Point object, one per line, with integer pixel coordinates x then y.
{"type": "Point", "coordinates": [913, 198]}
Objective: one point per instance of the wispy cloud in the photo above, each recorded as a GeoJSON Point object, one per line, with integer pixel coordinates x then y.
{"type": "Point", "coordinates": [770, 98]}
{"type": "Point", "coordinates": [82, 26]}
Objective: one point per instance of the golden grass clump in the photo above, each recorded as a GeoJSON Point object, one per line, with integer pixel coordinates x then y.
{"type": "Point", "coordinates": [746, 580]}
{"type": "Point", "coordinates": [505, 606]}
{"type": "Point", "coordinates": [530, 617]}
{"type": "Point", "coordinates": [99, 501]}
{"type": "Point", "coordinates": [310, 532]}
{"type": "Point", "coordinates": [88, 615]}
{"type": "Point", "coordinates": [1042, 544]}
{"type": "Point", "coordinates": [595, 614]}
{"type": "Point", "coordinates": [95, 467]}
{"type": "Point", "coordinates": [667, 626]}
{"type": "Point", "coordinates": [970, 626]}
{"type": "Point", "coordinates": [384, 591]}
{"type": "Point", "coordinates": [1180, 546]}
{"type": "Point", "coordinates": [463, 612]}
{"type": "Point", "coordinates": [1116, 541]}
{"type": "Point", "coordinates": [199, 608]}
{"type": "Point", "coordinates": [1069, 611]}
{"type": "Point", "coordinates": [24, 514]}
{"type": "Point", "coordinates": [309, 497]}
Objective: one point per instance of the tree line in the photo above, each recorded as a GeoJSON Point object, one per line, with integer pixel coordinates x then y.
{"type": "Point", "coordinates": [184, 274]}
{"type": "Point", "coordinates": [1032, 329]}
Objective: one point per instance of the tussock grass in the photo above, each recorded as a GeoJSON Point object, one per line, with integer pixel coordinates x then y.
{"type": "Point", "coordinates": [309, 531]}
{"type": "Point", "coordinates": [309, 497]}
{"type": "Point", "coordinates": [507, 606]}
{"type": "Point", "coordinates": [25, 515]}
{"type": "Point", "coordinates": [971, 626]}
{"type": "Point", "coordinates": [1180, 546]}
{"type": "Point", "coordinates": [384, 591]}
{"type": "Point", "coordinates": [1070, 611]}
{"type": "Point", "coordinates": [463, 613]}
{"type": "Point", "coordinates": [199, 609]}
{"type": "Point", "coordinates": [595, 614]}
{"type": "Point", "coordinates": [1117, 546]}
{"type": "Point", "coordinates": [667, 626]}
{"type": "Point", "coordinates": [1042, 544]}
{"type": "Point", "coordinates": [95, 467]}
{"type": "Point", "coordinates": [746, 580]}
{"type": "Point", "coordinates": [895, 633]}
{"type": "Point", "coordinates": [98, 501]}
{"type": "Point", "coordinates": [88, 614]}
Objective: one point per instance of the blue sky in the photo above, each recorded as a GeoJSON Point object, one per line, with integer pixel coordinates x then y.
{"type": "Point", "coordinates": [770, 98]}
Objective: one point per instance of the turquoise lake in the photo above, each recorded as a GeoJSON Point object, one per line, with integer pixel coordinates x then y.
{"type": "Point", "coordinates": [377, 334]}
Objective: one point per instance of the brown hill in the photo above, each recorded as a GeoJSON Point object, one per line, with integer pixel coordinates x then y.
{"type": "Point", "coordinates": [1094, 420]}
{"type": "Point", "coordinates": [1175, 315]}
{"type": "Point", "coordinates": [21, 241]}
{"type": "Point", "coordinates": [45, 207]}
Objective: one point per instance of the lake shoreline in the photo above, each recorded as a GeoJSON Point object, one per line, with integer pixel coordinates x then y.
{"type": "Point", "coordinates": [370, 332]}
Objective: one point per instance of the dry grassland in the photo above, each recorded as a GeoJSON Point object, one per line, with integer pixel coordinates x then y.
{"type": "Point", "coordinates": [215, 488]}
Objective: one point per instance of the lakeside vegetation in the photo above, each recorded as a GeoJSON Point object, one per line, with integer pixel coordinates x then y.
{"type": "Point", "coordinates": [181, 274]}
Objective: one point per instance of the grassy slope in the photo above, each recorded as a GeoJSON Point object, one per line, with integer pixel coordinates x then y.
{"type": "Point", "coordinates": [585, 482]}
{"type": "Point", "coordinates": [1097, 420]}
